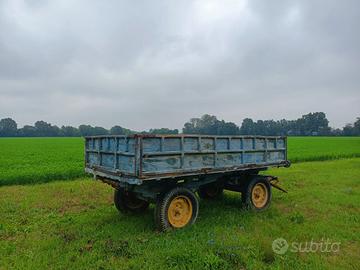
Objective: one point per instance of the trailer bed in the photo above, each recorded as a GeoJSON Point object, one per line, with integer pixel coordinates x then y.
{"type": "Point", "coordinates": [141, 157]}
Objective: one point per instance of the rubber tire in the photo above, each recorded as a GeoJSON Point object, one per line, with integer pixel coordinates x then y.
{"type": "Point", "coordinates": [203, 191]}
{"type": "Point", "coordinates": [162, 205]}
{"type": "Point", "coordinates": [246, 194]}
{"type": "Point", "coordinates": [121, 199]}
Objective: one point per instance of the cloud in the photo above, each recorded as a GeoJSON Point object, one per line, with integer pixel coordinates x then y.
{"type": "Point", "coordinates": [149, 64]}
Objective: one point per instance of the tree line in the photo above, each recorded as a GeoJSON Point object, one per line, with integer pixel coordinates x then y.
{"type": "Point", "coordinates": [9, 128]}
{"type": "Point", "coordinates": [311, 124]}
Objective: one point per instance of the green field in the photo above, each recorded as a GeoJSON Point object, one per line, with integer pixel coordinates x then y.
{"type": "Point", "coordinates": [36, 160]}
{"type": "Point", "coordinates": [74, 225]}
{"type": "Point", "coordinates": [322, 148]}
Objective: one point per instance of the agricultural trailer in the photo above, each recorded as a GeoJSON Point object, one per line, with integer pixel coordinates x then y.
{"type": "Point", "coordinates": [169, 170]}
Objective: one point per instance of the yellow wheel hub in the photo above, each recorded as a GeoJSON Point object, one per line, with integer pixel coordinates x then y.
{"type": "Point", "coordinates": [180, 211]}
{"type": "Point", "coordinates": [259, 195]}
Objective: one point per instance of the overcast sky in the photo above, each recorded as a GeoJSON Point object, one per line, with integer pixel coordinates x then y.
{"type": "Point", "coordinates": [144, 64]}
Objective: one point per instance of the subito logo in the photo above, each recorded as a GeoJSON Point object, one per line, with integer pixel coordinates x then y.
{"type": "Point", "coordinates": [280, 246]}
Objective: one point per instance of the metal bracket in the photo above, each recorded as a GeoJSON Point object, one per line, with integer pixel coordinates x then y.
{"type": "Point", "coordinates": [274, 182]}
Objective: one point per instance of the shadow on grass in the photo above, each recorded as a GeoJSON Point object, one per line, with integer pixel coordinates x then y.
{"type": "Point", "coordinates": [211, 212]}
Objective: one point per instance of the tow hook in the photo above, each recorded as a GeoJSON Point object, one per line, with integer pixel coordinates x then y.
{"type": "Point", "coordinates": [274, 181]}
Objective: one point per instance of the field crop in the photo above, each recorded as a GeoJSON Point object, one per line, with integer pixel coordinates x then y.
{"type": "Point", "coordinates": [322, 148]}
{"type": "Point", "coordinates": [74, 225]}
{"type": "Point", "coordinates": [36, 160]}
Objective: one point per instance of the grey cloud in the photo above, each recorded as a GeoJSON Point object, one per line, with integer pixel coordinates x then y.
{"type": "Point", "coordinates": [156, 64]}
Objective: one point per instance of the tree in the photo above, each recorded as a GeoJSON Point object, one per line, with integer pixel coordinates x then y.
{"type": "Point", "coordinates": [189, 127]}
{"type": "Point", "coordinates": [209, 124]}
{"type": "Point", "coordinates": [69, 131]}
{"type": "Point", "coordinates": [260, 128]}
{"type": "Point", "coordinates": [310, 124]}
{"type": "Point", "coordinates": [8, 127]}
{"type": "Point", "coordinates": [247, 127]}
{"type": "Point", "coordinates": [357, 127]}
{"type": "Point", "coordinates": [348, 130]}
{"type": "Point", "coordinates": [336, 132]}
{"type": "Point", "coordinates": [227, 128]}
{"type": "Point", "coordinates": [44, 129]}
{"type": "Point", "coordinates": [27, 131]}
{"type": "Point", "coordinates": [272, 128]}
{"type": "Point", "coordinates": [117, 130]}
{"type": "Point", "coordinates": [100, 131]}
{"type": "Point", "coordinates": [313, 124]}
{"type": "Point", "coordinates": [163, 131]}
{"type": "Point", "coordinates": [86, 130]}
{"type": "Point", "coordinates": [352, 129]}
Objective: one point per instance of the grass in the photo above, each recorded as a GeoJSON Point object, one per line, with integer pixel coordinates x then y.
{"type": "Point", "coordinates": [73, 224]}
{"type": "Point", "coordinates": [38, 160]}
{"type": "Point", "coordinates": [322, 148]}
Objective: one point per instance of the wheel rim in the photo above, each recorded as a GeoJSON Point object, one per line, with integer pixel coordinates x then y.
{"type": "Point", "coordinates": [259, 195]}
{"type": "Point", "coordinates": [180, 211]}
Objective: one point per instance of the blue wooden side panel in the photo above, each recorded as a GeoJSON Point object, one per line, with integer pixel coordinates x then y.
{"type": "Point", "coordinates": [112, 153]}
{"type": "Point", "coordinates": [160, 154]}
{"type": "Point", "coordinates": [176, 154]}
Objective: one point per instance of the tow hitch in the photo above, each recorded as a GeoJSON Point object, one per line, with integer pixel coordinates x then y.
{"type": "Point", "coordinates": [274, 181]}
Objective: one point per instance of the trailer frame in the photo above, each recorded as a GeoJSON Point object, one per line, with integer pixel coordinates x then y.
{"type": "Point", "coordinates": [150, 176]}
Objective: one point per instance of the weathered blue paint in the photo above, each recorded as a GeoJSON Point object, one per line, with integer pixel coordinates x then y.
{"type": "Point", "coordinates": [145, 157]}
